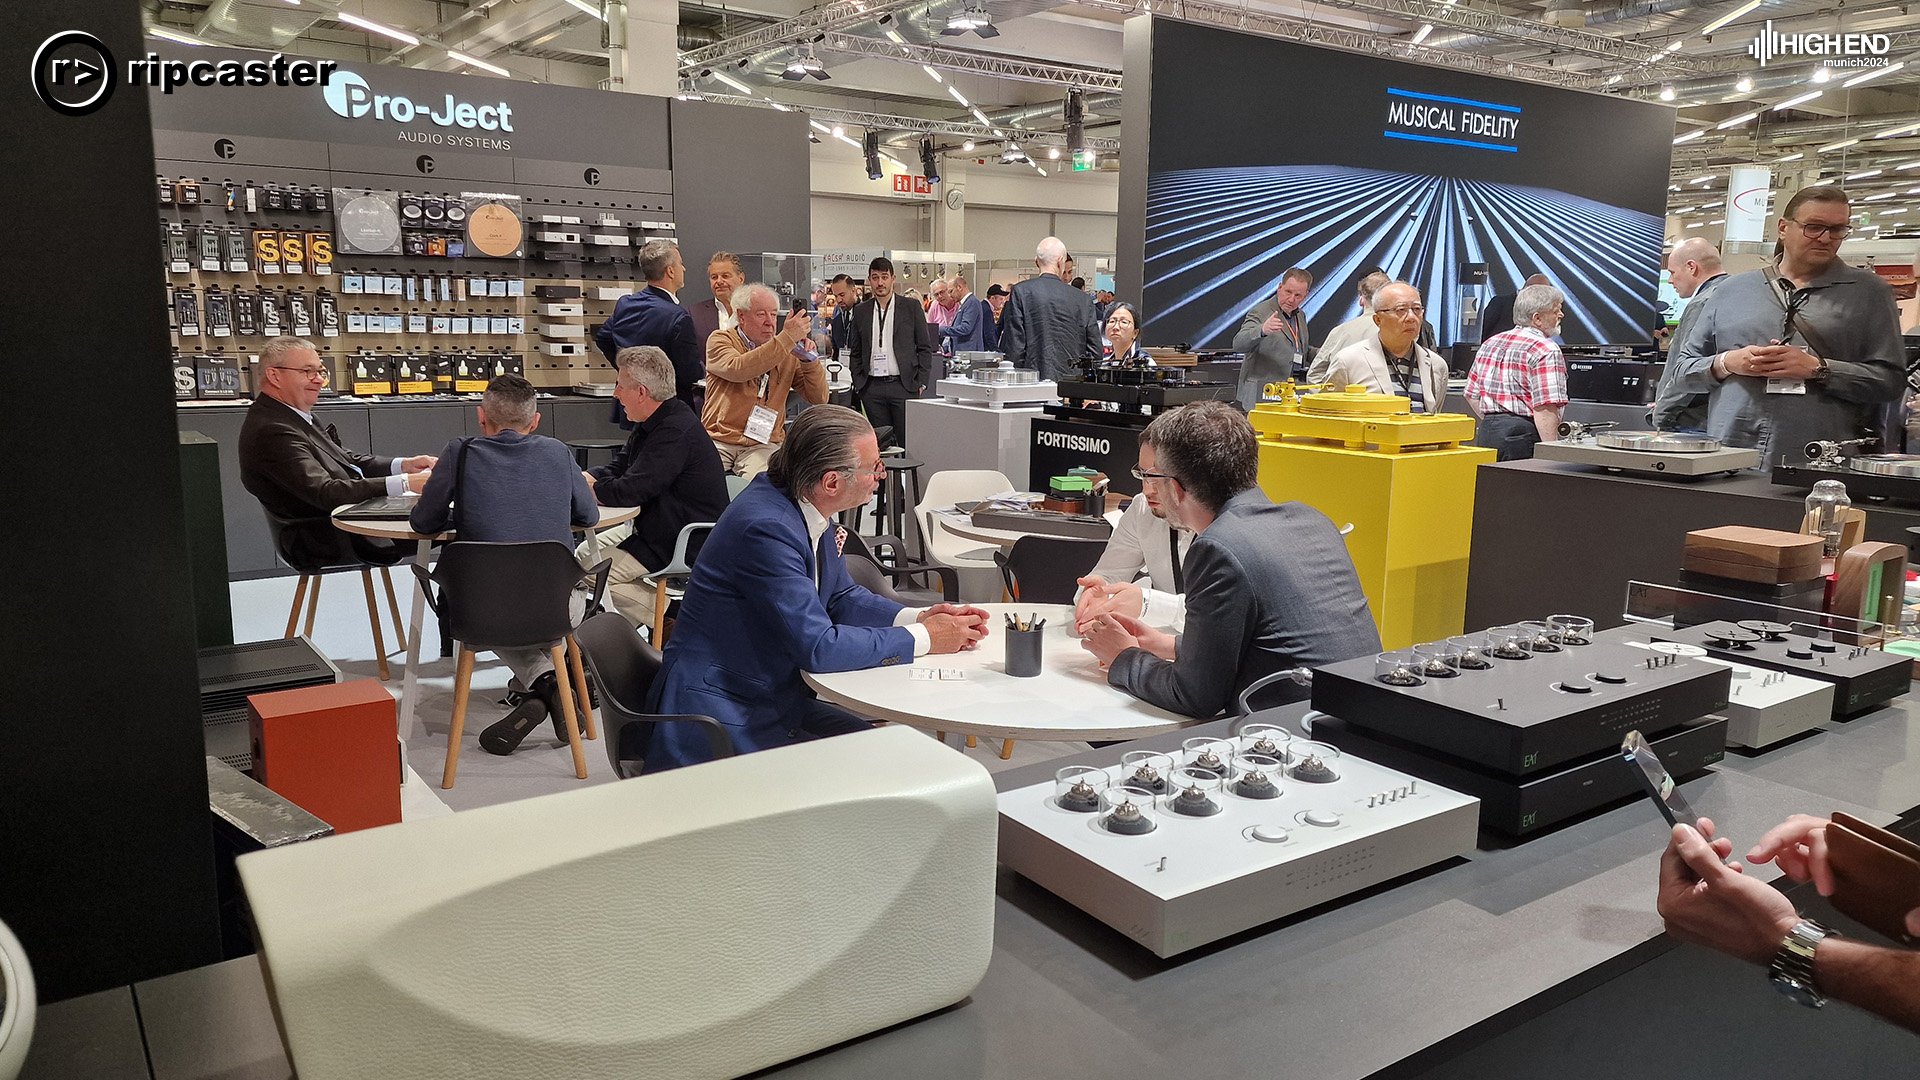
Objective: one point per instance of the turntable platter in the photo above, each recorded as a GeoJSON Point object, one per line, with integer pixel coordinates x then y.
{"type": "Point", "coordinates": [1907, 465]}
{"type": "Point", "coordinates": [1658, 442]}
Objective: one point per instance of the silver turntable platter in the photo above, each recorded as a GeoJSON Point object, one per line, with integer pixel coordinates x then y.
{"type": "Point", "coordinates": [1657, 442]}
{"type": "Point", "coordinates": [1887, 464]}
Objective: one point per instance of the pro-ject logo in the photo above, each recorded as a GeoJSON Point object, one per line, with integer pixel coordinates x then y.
{"type": "Point", "coordinates": [1843, 50]}
{"type": "Point", "coordinates": [349, 95]}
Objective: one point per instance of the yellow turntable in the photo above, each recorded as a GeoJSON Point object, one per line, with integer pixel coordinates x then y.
{"type": "Point", "coordinates": [1403, 480]}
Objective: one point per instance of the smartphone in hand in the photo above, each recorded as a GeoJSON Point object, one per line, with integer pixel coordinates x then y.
{"type": "Point", "coordinates": [1645, 764]}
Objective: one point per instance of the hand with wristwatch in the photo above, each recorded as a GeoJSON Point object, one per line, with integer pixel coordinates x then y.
{"type": "Point", "coordinates": [1717, 904]}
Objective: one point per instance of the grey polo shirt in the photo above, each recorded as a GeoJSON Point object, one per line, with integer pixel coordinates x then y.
{"type": "Point", "coordinates": [1853, 314]}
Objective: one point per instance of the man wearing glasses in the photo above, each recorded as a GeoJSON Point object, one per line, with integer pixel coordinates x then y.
{"type": "Point", "coordinates": [298, 469]}
{"type": "Point", "coordinates": [1391, 360]}
{"type": "Point", "coordinates": [1805, 350]}
{"type": "Point", "coordinates": [1269, 587]}
{"type": "Point", "coordinates": [770, 597]}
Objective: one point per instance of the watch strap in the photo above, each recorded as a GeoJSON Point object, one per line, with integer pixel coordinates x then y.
{"type": "Point", "coordinates": [1792, 967]}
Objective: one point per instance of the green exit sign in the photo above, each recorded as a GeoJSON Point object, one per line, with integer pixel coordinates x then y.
{"type": "Point", "coordinates": [1082, 160]}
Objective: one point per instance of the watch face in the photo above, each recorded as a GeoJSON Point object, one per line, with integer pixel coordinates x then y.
{"type": "Point", "coordinates": [1798, 992]}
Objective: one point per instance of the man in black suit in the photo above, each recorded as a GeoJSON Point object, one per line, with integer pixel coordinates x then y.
{"type": "Point", "coordinates": [299, 471]}
{"type": "Point", "coordinates": [1048, 325]}
{"type": "Point", "coordinates": [1269, 587]}
{"type": "Point", "coordinates": [1498, 316]}
{"type": "Point", "coordinates": [724, 274]}
{"type": "Point", "coordinates": [653, 316]}
{"type": "Point", "coordinates": [890, 350]}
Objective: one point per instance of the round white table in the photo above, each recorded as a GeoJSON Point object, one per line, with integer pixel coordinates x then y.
{"type": "Point", "coordinates": [1068, 700]}
{"type": "Point", "coordinates": [962, 525]}
{"type": "Point", "coordinates": [400, 531]}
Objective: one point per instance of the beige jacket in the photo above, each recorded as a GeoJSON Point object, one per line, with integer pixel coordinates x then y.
{"type": "Point", "coordinates": [1364, 363]}
{"type": "Point", "coordinates": [734, 388]}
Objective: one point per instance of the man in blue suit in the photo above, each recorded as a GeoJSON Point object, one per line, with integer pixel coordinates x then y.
{"type": "Point", "coordinates": [653, 316]}
{"type": "Point", "coordinates": [770, 598]}
{"type": "Point", "coordinates": [968, 330]}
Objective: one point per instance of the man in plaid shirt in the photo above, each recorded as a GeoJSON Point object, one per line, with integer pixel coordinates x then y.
{"type": "Point", "coordinates": [1519, 381]}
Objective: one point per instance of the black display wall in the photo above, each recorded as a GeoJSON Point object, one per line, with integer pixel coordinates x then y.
{"type": "Point", "coordinates": [106, 869]}
{"type": "Point", "coordinates": [740, 184]}
{"type": "Point", "coordinates": [1259, 154]}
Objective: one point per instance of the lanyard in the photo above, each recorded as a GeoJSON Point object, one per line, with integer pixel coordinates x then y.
{"type": "Point", "coordinates": [1287, 324]}
{"type": "Point", "coordinates": [880, 316]}
{"type": "Point", "coordinates": [1173, 548]}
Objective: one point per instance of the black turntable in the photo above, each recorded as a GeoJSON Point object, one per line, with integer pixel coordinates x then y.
{"type": "Point", "coordinates": [1893, 478]}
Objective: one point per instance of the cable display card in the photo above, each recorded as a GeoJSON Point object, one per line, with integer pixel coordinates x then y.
{"type": "Point", "coordinates": [416, 324]}
{"type": "Point", "coordinates": [356, 323]}
{"type": "Point", "coordinates": [246, 312]}
{"type": "Point", "coordinates": [186, 310]}
{"type": "Point", "coordinates": [219, 317]}
{"type": "Point", "coordinates": [350, 283]}
{"type": "Point", "coordinates": [210, 248]}
{"type": "Point", "coordinates": [178, 250]}
{"type": "Point", "coordinates": [497, 325]}
{"type": "Point", "coordinates": [516, 325]}
{"type": "Point", "coordinates": [441, 324]}
{"type": "Point", "coordinates": [389, 324]}
{"type": "Point", "coordinates": [460, 324]}
{"type": "Point", "coordinates": [269, 314]}
{"type": "Point", "coordinates": [299, 315]}
{"type": "Point", "coordinates": [293, 252]}
{"type": "Point", "coordinates": [320, 253]}
{"type": "Point", "coordinates": [236, 248]}
{"type": "Point", "coordinates": [391, 286]}
{"type": "Point", "coordinates": [266, 251]}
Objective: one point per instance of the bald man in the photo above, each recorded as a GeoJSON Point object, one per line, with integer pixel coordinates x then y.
{"type": "Point", "coordinates": [1694, 268]}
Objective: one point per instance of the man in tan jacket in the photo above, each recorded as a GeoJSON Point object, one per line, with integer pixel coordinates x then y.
{"type": "Point", "coordinates": [750, 370]}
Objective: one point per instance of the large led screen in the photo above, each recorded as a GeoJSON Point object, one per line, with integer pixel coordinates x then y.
{"type": "Point", "coordinates": [1265, 154]}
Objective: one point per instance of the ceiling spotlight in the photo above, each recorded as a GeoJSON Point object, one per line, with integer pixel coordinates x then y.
{"type": "Point", "coordinates": [838, 131]}
{"type": "Point", "coordinates": [972, 17]}
{"type": "Point", "coordinates": [689, 92]}
{"type": "Point", "coordinates": [1053, 152]}
{"type": "Point", "coordinates": [929, 161]}
{"type": "Point", "coordinates": [1013, 155]}
{"type": "Point", "coordinates": [1822, 74]}
{"type": "Point", "coordinates": [1667, 93]}
{"type": "Point", "coordinates": [870, 148]}
{"type": "Point", "coordinates": [803, 64]}
{"type": "Point", "coordinates": [967, 146]}
{"type": "Point", "coordinates": [1745, 85]}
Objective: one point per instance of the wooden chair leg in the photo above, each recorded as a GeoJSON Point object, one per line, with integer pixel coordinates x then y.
{"type": "Point", "coordinates": [462, 685]}
{"type": "Point", "coordinates": [973, 741]}
{"type": "Point", "coordinates": [373, 618]}
{"type": "Point", "coordinates": [393, 606]}
{"type": "Point", "coordinates": [660, 614]}
{"type": "Point", "coordinates": [565, 693]}
{"type": "Point", "coordinates": [1006, 750]}
{"type": "Point", "coordinates": [299, 595]}
{"type": "Point", "coordinates": [313, 602]}
{"type": "Point", "coordinates": [579, 675]}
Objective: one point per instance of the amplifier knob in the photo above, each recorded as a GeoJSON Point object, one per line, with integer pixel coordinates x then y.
{"type": "Point", "coordinates": [1799, 652]}
{"type": "Point", "coordinates": [1609, 678]}
{"type": "Point", "coordinates": [1824, 646]}
{"type": "Point", "coordinates": [1574, 686]}
{"type": "Point", "coordinates": [1326, 818]}
{"type": "Point", "coordinates": [1269, 834]}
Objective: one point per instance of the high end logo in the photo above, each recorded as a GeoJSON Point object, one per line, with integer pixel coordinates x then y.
{"type": "Point", "coordinates": [349, 95]}
{"type": "Point", "coordinates": [1844, 50]}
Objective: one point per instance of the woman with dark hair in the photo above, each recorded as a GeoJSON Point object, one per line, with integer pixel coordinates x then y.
{"type": "Point", "coordinates": [1123, 338]}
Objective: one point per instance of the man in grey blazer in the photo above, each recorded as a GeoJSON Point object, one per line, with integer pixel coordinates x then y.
{"type": "Point", "coordinates": [1274, 337]}
{"type": "Point", "coordinates": [1269, 586]}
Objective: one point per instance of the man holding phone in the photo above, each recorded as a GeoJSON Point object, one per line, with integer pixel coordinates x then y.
{"type": "Point", "coordinates": [1708, 902]}
{"type": "Point", "coordinates": [750, 370]}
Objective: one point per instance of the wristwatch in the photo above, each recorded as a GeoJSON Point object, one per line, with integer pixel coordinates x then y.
{"type": "Point", "coordinates": [1792, 967]}
{"type": "Point", "coordinates": [1821, 368]}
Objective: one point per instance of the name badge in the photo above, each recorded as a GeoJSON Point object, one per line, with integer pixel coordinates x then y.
{"type": "Point", "coordinates": [1786, 386]}
{"type": "Point", "coordinates": [760, 425]}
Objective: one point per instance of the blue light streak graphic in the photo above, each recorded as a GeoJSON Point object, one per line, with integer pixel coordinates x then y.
{"type": "Point", "coordinates": [1450, 142]}
{"type": "Point", "coordinates": [1218, 239]}
{"type": "Point", "coordinates": [1515, 109]}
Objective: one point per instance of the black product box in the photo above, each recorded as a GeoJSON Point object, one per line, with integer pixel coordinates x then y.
{"type": "Point", "coordinates": [412, 374]}
{"type": "Point", "coordinates": [510, 364]}
{"type": "Point", "coordinates": [372, 374]}
{"type": "Point", "coordinates": [557, 292]}
{"type": "Point", "coordinates": [1518, 806]}
{"type": "Point", "coordinates": [1778, 603]}
{"type": "Point", "coordinates": [471, 373]}
{"type": "Point", "coordinates": [1616, 382]}
{"type": "Point", "coordinates": [216, 378]}
{"type": "Point", "coordinates": [440, 369]}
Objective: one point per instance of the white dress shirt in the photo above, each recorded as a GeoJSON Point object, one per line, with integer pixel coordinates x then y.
{"type": "Point", "coordinates": [728, 320]}
{"type": "Point", "coordinates": [1139, 542]}
{"type": "Point", "coordinates": [881, 342]}
{"type": "Point", "coordinates": [909, 618]}
{"type": "Point", "coordinates": [396, 480]}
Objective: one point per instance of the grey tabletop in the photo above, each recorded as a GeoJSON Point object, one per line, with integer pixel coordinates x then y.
{"type": "Point", "coordinates": [1361, 984]}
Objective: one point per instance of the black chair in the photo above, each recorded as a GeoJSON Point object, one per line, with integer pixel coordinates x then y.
{"type": "Point", "coordinates": [1047, 569]}
{"type": "Point", "coordinates": [883, 559]}
{"type": "Point", "coordinates": [583, 449]}
{"type": "Point", "coordinates": [312, 572]}
{"type": "Point", "coordinates": [625, 667]}
{"type": "Point", "coordinates": [495, 595]}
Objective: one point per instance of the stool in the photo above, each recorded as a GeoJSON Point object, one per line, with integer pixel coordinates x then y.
{"type": "Point", "coordinates": [584, 448]}
{"type": "Point", "coordinates": [314, 576]}
{"type": "Point", "coordinates": [890, 512]}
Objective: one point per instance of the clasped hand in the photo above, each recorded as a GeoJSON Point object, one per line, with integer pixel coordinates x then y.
{"type": "Point", "coordinates": [1772, 361]}
{"type": "Point", "coordinates": [1109, 635]}
{"type": "Point", "coordinates": [953, 628]}
{"type": "Point", "coordinates": [1099, 597]}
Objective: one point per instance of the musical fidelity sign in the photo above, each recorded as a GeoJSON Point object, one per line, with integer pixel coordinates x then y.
{"type": "Point", "coordinates": [1452, 121]}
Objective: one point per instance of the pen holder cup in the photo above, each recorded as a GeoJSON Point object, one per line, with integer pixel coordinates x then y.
{"type": "Point", "coordinates": [1023, 653]}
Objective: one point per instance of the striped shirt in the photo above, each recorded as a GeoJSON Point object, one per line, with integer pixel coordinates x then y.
{"type": "Point", "coordinates": [1517, 372]}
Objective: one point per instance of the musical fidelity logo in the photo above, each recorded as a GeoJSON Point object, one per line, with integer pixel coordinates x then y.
{"type": "Point", "coordinates": [1842, 50]}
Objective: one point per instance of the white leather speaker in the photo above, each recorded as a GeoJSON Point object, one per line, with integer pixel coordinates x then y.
{"type": "Point", "coordinates": [703, 922]}
{"type": "Point", "coordinates": [16, 1004]}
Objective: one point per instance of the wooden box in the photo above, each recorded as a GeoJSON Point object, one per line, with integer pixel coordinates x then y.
{"type": "Point", "coordinates": [332, 749]}
{"type": "Point", "coordinates": [1767, 556]}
